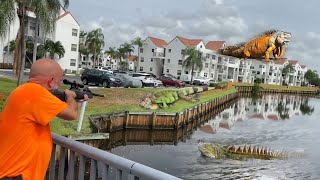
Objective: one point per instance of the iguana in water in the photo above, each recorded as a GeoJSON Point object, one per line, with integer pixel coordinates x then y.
{"type": "Point", "coordinates": [261, 46]}
{"type": "Point", "coordinates": [219, 151]}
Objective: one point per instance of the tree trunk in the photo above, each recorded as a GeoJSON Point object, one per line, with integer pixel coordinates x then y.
{"type": "Point", "coordinates": [35, 42]}
{"type": "Point", "coordinates": [22, 15]}
{"type": "Point", "coordinates": [94, 58]}
{"type": "Point", "coordinates": [192, 73]}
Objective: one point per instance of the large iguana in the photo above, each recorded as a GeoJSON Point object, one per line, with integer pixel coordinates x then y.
{"type": "Point", "coordinates": [261, 46]}
{"type": "Point", "coordinates": [163, 98]}
{"type": "Point", "coordinates": [218, 151]}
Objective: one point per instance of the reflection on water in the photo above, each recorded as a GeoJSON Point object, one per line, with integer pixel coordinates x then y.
{"type": "Point", "coordinates": [280, 122]}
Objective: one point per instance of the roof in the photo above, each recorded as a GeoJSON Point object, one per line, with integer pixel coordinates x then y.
{"type": "Point", "coordinates": [189, 42]}
{"type": "Point", "coordinates": [292, 62]}
{"type": "Point", "coordinates": [62, 15]}
{"type": "Point", "coordinates": [215, 45]}
{"type": "Point", "coordinates": [158, 42]}
{"type": "Point", "coordinates": [132, 58]}
{"type": "Point", "coordinates": [280, 61]}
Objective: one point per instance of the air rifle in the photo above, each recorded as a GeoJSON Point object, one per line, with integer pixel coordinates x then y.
{"type": "Point", "coordinates": [76, 87]}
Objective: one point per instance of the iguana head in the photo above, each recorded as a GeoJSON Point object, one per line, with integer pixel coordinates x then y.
{"type": "Point", "coordinates": [209, 149]}
{"type": "Point", "coordinates": [282, 37]}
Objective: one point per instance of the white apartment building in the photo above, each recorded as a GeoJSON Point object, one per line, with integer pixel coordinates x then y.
{"type": "Point", "coordinates": [67, 32]}
{"type": "Point", "coordinates": [175, 56]}
{"type": "Point", "coordinates": [151, 56]}
{"type": "Point", "coordinates": [215, 66]}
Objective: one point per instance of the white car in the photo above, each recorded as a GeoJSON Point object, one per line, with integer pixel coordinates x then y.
{"type": "Point", "coordinates": [105, 69]}
{"type": "Point", "coordinates": [145, 78]}
{"type": "Point", "coordinates": [201, 81]}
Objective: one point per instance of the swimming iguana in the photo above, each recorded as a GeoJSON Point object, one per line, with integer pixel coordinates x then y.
{"type": "Point", "coordinates": [218, 151]}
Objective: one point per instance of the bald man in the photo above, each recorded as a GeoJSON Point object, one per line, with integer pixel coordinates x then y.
{"type": "Point", "coordinates": [26, 144]}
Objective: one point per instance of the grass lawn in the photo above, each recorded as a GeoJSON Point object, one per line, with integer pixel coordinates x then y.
{"type": "Point", "coordinates": [271, 86]}
{"type": "Point", "coordinates": [117, 100]}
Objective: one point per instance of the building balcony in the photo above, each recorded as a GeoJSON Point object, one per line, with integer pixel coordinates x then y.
{"type": "Point", "coordinates": [241, 74]}
{"type": "Point", "coordinates": [158, 54]}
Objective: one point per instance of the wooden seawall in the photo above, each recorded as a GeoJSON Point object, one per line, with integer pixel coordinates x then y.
{"type": "Point", "coordinates": [248, 89]}
{"type": "Point", "coordinates": [159, 120]}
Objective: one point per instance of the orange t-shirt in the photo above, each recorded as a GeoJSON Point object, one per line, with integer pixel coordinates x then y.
{"type": "Point", "coordinates": [25, 137]}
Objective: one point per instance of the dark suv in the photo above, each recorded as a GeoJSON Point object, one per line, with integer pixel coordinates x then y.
{"type": "Point", "coordinates": [98, 77]}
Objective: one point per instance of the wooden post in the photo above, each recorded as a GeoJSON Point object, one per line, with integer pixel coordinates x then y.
{"type": "Point", "coordinates": [126, 121]}
{"type": "Point", "coordinates": [154, 117]}
{"type": "Point", "coordinates": [177, 121]}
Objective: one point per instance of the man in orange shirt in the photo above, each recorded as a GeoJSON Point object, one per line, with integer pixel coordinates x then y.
{"type": "Point", "coordinates": [26, 144]}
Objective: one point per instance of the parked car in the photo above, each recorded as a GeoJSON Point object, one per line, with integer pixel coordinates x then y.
{"type": "Point", "coordinates": [128, 81]}
{"type": "Point", "coordinates": [186, 78]}
{"type": "Point", "coordinates": [201, 81]}
{"type": "Point", "coordinates": [97, 77]}
{"type": "Point", "coordinates": [145, 78]}
{"type": "Point", "coordinates": [171, 81]}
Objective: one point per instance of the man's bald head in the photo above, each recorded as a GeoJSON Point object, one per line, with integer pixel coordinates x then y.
{"type": "Point", "coordinates": [44, 67]}
{"type": "Point", "coordinates": [45, 72]}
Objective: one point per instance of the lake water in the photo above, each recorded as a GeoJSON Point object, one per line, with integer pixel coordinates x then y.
{"type": "Point", "coordinates": [279, 122]}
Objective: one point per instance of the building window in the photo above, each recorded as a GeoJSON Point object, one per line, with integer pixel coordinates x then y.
{"type": "Point", "coordinates": [151, 69]}
{"type": "Point", "coordinates": [151, 59]}
{"type": "Point", "coordinates": [206, 65]}
{"type": "Point", "coordinates": [183, 51]}
{"type": "Point", "coordinates": [73, 62]}
{"type": "Point", "coordinates": [75, 32]}
{"type": "Point", "coordinates": [169, 50]}
{"type": "Point", "coordinates": [200, 46]}
{"type": "Point", "coordinates": [168, 60]}
{"type": "Point", "coordinates": [180, 62]}
{"type": "Point", "coordinates": [213, 56]}
{"type": "Point", "coordinates": [141, 68]}
{"type": "Point", "coordinates": [167, 70]}
{"type": "Point", "coordinates": [207, 55]}
{"type": "Point", "coordinates": [142, 59]}
{"type": "Point", "coordinates": [178, 72]}
{"type": "Point", "coordinates": [212, 66]}
{"type": "Point", "coordinates": [186, 72]}
{"type": "Point", "coordinates": [152, 50]}
{"type": "Point", "coordinates": [258, 72]}
{"type": "Point", "coordinates": [205, 74]}
{"type": "Point", "coordinates": [211, 75]}
{"type": "Point", "coordinates": [141, 50]}
{"type": "Point", "coordinates": [260, 66]}
{"type": "Point", "coordinates": [274, 80]}
{"type": "Point", "coordinates": [219, 58]}
{"type": "Point", "coordinates": [73, 47]}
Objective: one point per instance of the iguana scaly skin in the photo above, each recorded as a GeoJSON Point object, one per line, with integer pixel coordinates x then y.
{"type": "Point", "coordinates": [164, 97]}
{"type": "Point", "coordinates": [261, 46]}
{"type": "Point", "coordinates": [219, 151]}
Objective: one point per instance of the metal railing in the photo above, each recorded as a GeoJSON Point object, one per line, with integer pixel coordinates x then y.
{"type": "Point", "coordinates": [103, 165]}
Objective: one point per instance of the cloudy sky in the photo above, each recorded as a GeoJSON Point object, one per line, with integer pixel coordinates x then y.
{"type": "Point", "coordinates": [230, 20]}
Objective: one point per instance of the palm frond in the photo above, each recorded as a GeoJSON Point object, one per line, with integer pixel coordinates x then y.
{"type": "Point", "coordinates": [7, 15]}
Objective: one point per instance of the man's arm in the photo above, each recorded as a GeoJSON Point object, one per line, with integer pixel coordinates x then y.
{"type": "Point", "coordinates": [71, 111]}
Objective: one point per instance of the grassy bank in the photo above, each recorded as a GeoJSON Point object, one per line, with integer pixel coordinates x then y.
{"type": "Point", "coordinates": [119, 100]}
{"type": "Point", "coordinates": [271, 86]}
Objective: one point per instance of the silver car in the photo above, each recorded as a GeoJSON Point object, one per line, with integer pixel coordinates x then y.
{"type": "Point", "coordinates": [128, 81]}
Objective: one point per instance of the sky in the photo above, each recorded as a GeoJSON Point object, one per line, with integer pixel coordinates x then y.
{"type": "Point", "coordinates": [232, 21]}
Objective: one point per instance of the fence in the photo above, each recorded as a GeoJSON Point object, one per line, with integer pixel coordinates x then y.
{"type": "Point", "coordinates": [103, 165]}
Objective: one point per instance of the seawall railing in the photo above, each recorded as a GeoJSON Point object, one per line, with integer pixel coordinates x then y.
{"type": "Point", "coordinates": [71, 159]}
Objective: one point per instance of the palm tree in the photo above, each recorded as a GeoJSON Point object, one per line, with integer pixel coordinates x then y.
{"type": "Point", "coordinates": [45, 10]}
{"type": "Point", "coordinates": [127, 49]}
{"type": "Point", "coordinates": [287, 70]}
{"type": "Point", "coordinates": [54, 48]}
{"type": "Point", "coordinates": [83, 50]}
{"type": "Point", "coordinates": [94, 42]}
{"type": "Point", "coordinates": [112, 52]}
{"type": "Point", "coordinates": [138, 42]}
{"type": "Point", "coordinates": [124, 65]}
{"type": "Point", "coordinates": [193, 60]}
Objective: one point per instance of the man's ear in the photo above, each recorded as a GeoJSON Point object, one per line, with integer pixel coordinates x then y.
{"type": "Point", "coordinates": [50, 82]}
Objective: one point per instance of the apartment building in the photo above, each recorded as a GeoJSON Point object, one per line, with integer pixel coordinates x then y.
{"type": "Point", "coordinates": [151, 56]}
{"type": "Point", "coordinates": [215, 65]}
{"type": "Point", "coordinates": [67, 32]}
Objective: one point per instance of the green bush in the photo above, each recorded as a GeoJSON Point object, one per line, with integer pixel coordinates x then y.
{"type": "Point", "coordinates": [219, 85]}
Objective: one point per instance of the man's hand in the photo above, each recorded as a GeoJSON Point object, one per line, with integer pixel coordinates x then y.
{"type": "Point", "coordinates": [86, 98]}
{"type": "Point", "coordinates": [70, 94]}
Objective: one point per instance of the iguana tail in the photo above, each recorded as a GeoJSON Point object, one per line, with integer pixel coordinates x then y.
{"type": "Point", "coordinates": [234, 50]}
